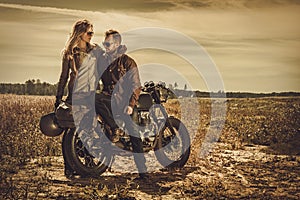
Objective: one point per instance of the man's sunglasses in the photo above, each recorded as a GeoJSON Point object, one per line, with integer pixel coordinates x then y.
{"type": "Point", "coordinates": [90, 33]}
{"type": "Point", "coordinates": [107, 44]}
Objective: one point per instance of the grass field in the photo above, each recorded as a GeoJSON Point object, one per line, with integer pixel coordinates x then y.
{"type": "Point", "coordinates": [257, 156]}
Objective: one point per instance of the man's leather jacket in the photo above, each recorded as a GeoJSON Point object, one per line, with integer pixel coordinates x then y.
{"type": "Point", "coordinates": [121, 80]}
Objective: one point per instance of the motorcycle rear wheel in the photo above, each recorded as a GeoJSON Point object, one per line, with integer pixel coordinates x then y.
{"type": "Point", "coordinates": [80, 160]}
{"type": "Point", "coordinates": [173, 150]}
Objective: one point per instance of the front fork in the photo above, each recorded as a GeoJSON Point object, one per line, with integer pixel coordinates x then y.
{"type": "Point", "coordinates": [170, 126]}
{"type": "Point", "coordinates": [166, 122]}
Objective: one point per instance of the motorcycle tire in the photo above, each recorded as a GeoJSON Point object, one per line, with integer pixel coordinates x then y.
{"type": "Point", "coordinates": [80, 160]}
{"type": "Point", "coordinates": [177, 144]}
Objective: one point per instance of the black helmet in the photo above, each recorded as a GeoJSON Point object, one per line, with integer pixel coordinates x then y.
{"type": "Point", "coordinates": [48, 125]}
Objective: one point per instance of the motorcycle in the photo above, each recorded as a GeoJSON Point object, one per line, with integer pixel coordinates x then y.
{"type": "Point", "coordinates": [166, 135]}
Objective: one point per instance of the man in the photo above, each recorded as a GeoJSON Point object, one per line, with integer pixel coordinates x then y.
{"type": "Point", "coordinates": [121, 90]}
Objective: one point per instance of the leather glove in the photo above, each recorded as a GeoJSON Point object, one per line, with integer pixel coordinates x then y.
{"type": "Point", "coordinates": [57, 102]}
{"type": "Point", "coordinates": [128, 110]}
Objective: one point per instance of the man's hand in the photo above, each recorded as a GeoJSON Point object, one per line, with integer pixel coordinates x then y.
{"type": "Point", "coordinates": [128, 110]}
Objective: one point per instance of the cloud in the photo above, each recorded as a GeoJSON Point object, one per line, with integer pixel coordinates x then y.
{"type": "Point", "coordinates": [244, 43]}
{"type": "Point", "coordinates": [154, 5]}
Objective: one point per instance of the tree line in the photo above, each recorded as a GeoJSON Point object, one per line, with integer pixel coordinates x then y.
{"type": "Point", "coordinates": [30, 87]}
{"type": "Point", "coordinates": [36, 87]}
{"type": "Point", "coordinates": [221, 94]}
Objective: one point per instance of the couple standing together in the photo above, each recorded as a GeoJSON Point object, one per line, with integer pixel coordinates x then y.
{"type": "Point", "coordinates": [83, 65]}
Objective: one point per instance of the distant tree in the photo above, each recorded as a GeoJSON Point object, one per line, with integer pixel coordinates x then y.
{"type": "Point", "coordinates": [39, 89]}
{"type": "Point", "coordinates": [30, 87]}
{"type": "Point", "coordinates": [175, 85]}
{"type": "Point", "coordinates": [185, 86]}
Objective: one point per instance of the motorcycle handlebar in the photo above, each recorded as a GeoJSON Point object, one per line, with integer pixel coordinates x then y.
{"type": "Point", "coordinates": [151, 85]}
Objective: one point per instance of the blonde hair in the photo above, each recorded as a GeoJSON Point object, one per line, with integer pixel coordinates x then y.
{"type": "Point", "coordinates": [78, 29]}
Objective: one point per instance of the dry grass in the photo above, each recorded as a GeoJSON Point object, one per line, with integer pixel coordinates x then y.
{"type": "Point", "coordinates": [21, 139]}
{"type": "Point", "coordinates": [20, 132]}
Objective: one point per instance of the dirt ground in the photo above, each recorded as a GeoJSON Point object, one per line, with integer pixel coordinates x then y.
{"type": "Point", "coordinates": [224, 174]}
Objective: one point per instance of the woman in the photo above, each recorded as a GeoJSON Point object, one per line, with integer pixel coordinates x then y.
{"type": "Point", "coordinates": [78, 46]}
{"type": "Point", "coordinates": [82, 62]}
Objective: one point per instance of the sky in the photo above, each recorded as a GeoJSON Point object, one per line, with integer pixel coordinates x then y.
{"type": "Point", "coordinates": [253, 45]}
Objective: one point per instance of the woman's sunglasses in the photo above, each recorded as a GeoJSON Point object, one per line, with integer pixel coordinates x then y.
{"type": "Point", "coordinates": [90, 33]}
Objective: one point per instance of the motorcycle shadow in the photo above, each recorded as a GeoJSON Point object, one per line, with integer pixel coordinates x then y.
{"type": "Point", "coordinates": [156, 182]}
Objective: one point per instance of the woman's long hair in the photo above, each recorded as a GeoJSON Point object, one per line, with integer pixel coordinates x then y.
{"type": "Point", "coordinates": [79, 28]}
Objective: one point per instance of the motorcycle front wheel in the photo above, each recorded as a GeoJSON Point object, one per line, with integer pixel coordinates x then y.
{"type": "Point", "coordinates": [79, 158]}
{"type": "Point", "coordinates": [173, 147]}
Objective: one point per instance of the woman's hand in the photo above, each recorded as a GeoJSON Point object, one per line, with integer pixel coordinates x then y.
{"type": "Point", "coordinates": [57, 102]}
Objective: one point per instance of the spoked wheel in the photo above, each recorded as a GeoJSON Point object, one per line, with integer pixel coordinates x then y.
{"type": "Point", "coordinates": [173, 147]}
{"type": "Point", "coordinates": [79, 158]}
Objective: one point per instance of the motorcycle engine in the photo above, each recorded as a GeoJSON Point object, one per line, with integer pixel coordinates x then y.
{"type": "Point", "coordinates": [148, 127]}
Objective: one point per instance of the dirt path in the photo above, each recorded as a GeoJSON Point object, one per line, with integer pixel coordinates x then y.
{"type": "Point", "coordinates": [245, 173]}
